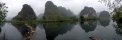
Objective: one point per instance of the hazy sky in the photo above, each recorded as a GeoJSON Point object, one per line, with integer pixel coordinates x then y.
{"type": "Point", "coordinates": [15, 6]}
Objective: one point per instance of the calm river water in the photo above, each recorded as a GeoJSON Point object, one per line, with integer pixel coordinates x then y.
{"type": "Point", "coordinates": [103, 29]}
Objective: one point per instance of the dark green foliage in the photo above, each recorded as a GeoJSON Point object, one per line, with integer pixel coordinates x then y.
{"type": "Point", "coordinates": [116, 17]}
{"type": "Point", "coordinates": [118, 28]}
{"type": "Point", "coordinates": [3, 11]}
{"type": "Point", "coordinates": [81, 18]}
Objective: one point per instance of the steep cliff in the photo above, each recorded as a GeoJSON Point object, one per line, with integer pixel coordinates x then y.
{"type": "Point", "coordinates": [26, 14]}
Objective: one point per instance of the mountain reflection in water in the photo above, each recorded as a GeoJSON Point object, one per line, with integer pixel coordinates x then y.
{"type": "Point", "coordinates": [54, 29]}
{"type": "Point", "coordinates": [89, 25]}
{"type": "Point", "coordinates": [61, 31]}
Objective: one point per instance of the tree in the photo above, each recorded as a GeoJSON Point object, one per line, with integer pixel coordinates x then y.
{"type": "Point", "coordinates": [3, 11]}
{"type": "Point", "coordinates": [111, 3]}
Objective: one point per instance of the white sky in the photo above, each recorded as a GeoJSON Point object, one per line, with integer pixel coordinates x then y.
{"type": "Point", "coordinates": [14, 6]}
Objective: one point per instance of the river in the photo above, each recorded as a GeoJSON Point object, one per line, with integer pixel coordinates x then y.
{"type": "Point", "coordinates": [103, 29]}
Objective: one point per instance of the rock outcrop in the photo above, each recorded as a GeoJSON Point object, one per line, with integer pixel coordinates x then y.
{"type": "Point", "coordinates": [51, 11]}
{"type": "Point", "coordinates": [26, 14]}
{"type": "Point", "coordinates": [88, 12]}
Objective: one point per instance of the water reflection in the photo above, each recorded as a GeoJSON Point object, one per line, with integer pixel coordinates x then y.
{"type": "Point", "coordinates": [104, 22]}
{"type": "Point", "coordinates": [54, 29]}
{"type": "Point", "coordinates": [39, 34]}
{"type": "Point", "coordinates": [1, 37]}
{"type": "Point", "coordinates": [26, 30]}
{"type": "Point", "coordinates": [89, 25]}
{"type": "Point", "coordinates": [1, 25]}
{"type": "Point", "coordinates": [60, 31]}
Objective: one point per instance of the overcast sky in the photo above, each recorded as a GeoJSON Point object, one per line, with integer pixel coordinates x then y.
{"type": "Point", "coordinates": [15, 6]}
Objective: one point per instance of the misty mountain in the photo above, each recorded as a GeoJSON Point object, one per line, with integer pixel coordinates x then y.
{"type": "Point", "coordinates": [104, 15]}
{"type": "Point", "coordinates": [54, 13]}
{"type": "Point", "coordinates": [40, 16]}
{"type": "Point", "coordinates": [26, 14]}
{"type": "Point", "coordinates": [51, 11]}
{"type": "Point", "coordinates": [88, 12]}
{"type": "Point", "coordinates": [65, 12]}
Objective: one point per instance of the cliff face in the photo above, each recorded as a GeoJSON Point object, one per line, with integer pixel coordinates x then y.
{"type": "Point", "coordinates": [54, 13]}
{"type": "Point", "coordinates": [26, 14]}
{"type": "Point", "coordinates": [51, 11]}
{"type": "Point", "coordinates": [88, 12]}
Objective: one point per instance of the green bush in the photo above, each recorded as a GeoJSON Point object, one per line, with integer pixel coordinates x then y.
{"type": "Point", "coordinates": [117, 16]}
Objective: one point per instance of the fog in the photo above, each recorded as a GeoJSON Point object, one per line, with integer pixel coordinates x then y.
{"type": "Point", "coordinates": [15, 6]}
